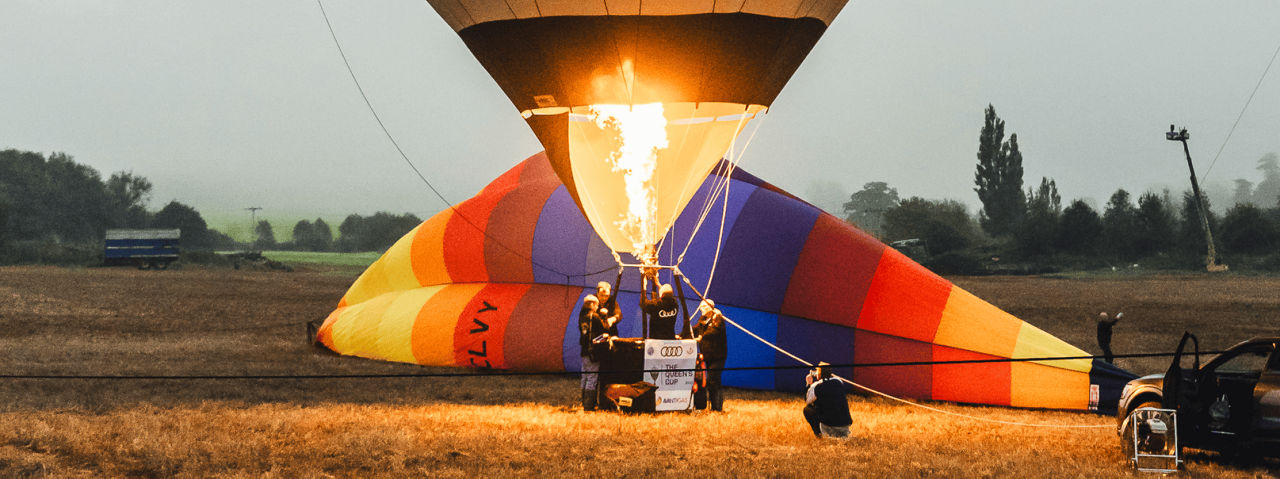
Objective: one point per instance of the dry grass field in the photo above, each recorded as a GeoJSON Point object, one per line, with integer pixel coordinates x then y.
{"type": "Point", "coordinates": [192, 321]}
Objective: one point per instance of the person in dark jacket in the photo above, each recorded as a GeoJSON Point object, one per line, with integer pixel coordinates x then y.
{"type": "Point", "coordinates": [608, 308]}
{"type": "Point", "coordinates": [663, 309]}
{"type": "Point", "coordinates": [591, 326]}
{"type": "Point", "coordinates": [1104, 335]}
{"type": "Point", "coordinates": [713, 344]}
{"type": "Point", "coordinates": [826, 408]}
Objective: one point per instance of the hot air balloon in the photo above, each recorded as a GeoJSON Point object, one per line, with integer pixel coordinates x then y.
{"type": "Point", "coordinates": [635, 101]}
{"type": "Point", "coordinates": [497, 283]}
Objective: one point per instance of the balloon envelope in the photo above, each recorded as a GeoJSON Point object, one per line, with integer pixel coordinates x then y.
{"type": "Point", "coordinates": [498, 282]}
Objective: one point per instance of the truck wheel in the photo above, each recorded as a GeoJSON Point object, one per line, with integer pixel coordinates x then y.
{"type": "Point", "coordinates": [143, 265]}
{"type": "Point", "coordinates": [162, 265]}
{"type": "Point", "coordinates": [1150, 404]}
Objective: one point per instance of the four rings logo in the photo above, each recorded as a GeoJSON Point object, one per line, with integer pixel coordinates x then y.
{"type": "Point", "coordinates": [671, 351]}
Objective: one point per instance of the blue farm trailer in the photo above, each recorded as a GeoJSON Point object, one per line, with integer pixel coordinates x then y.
{"type": "Point", "coordinates": [147, 249]}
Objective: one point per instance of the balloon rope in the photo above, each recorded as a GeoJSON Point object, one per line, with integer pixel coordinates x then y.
{"type": "Point", "coordinates": [722, 177]}
{"type": "Point", "coordinates": [886, 395]}
{"type": "Point", "coordinates": [616, 258]}
{"type": "Point", "coordinates": [724, 210]}
{"type": "Point", "coordinates": [715, 260]}
{"type": "Point", "coordinates": [712, 196]}
{"type": "Point", "coordinates": [391, 138]}
{"type": "Point", "coordinates": [721, 185]}
{"type": "Point", "coordinates": [718, 186]}
{"type": "Point", "coordinates": [675, 207]}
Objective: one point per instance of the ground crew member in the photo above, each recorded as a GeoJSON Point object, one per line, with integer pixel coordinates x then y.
{"type": "Point", "coordinates": [590, 327]}
{"type": "Point", "coordinates": [663, 309]}
{"type": "Point", "coordinates": [714, 347]}
{"type": "Point", "coordinates": [1104, 335]}
{"type": "Point", "coordinates": [608, 308]}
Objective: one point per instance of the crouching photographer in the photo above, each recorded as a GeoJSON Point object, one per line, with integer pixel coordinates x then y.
{"type": "Point", "coordinates": [826, 408]}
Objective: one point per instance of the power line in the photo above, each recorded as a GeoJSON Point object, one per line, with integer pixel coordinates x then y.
{"type": "Point", "coordinates": [415, 169]}
{"type": "Point", "coordinates": [1241, 115]}
{"type": "Point", "coordinates": [502, 372]}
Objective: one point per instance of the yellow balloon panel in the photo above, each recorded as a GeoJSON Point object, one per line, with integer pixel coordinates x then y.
{"type": "Point", "coordinates": [396, 324]}
{"type": "Point", "coordinates": [355, 335]}
{"type": "Point", "coordinates": [1035, 343]}
{"type": "Point", "coordinates": [391, 272]}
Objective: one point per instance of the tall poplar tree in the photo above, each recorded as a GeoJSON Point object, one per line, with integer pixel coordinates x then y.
{"type": "Point", "coordinates": [999, 178]}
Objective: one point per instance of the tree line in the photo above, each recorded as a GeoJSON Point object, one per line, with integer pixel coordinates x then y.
{"type": "Point", "coordinates": [1032, 227]}
{"type": "Point", "coordinates": [356, 233]}
{"type": "Point", "coordinates": [53, 203]}
{"type": "Point", "coordinates": [53, 200]}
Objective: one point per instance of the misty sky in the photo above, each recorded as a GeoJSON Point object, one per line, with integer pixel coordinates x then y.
{"type": "Point", "coordinates": [236, 103]}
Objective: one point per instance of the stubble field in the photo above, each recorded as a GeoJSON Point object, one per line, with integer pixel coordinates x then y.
{"type": "Point", "coordinates": [119, 321]}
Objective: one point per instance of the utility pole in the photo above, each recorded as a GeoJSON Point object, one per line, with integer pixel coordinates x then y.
{"type": "Point", "coordinates": [1211, 261]}
{"type": "Point", "coordinates": [253, 224]}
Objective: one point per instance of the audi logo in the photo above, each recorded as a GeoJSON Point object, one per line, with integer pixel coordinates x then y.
{"type": "Point", "coordinates": [671, 351]}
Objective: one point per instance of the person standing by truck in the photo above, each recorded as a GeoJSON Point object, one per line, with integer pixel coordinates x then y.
{"type": "Point", "coordinates": [1104, 335]}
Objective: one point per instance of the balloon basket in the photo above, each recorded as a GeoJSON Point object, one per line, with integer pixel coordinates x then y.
{"type": "Point", "coordinates": [648, 375]}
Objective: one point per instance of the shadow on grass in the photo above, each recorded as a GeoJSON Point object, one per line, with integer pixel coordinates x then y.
{"type": "Point", "coordinates": [1248, 459]}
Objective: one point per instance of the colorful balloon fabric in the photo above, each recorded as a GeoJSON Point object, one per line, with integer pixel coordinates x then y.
{"type": "Point", "coordinates": [497, 283]}
{"type": "Point", "coordinates": [672, 81]}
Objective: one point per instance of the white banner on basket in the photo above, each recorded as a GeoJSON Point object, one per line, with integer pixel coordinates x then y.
{"type": "Point", "coordinates": [674, 387]}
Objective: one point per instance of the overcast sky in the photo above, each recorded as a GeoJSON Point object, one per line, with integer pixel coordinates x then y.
{"type": "Point", "coordinates": [236, 103]}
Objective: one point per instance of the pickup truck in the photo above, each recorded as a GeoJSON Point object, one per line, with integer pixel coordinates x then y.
{"type": "Point", "coordinates": [1231, 404]}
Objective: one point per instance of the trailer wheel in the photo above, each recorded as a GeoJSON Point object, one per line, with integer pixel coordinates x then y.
{"type": "Point", "coordinates": [162, 265]}
{"type": "Point", "coordinates": [143, 265]}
